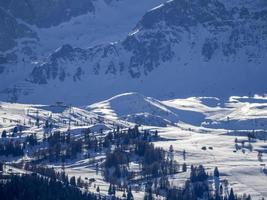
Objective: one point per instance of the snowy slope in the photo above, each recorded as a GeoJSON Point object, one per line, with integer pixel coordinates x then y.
{"type": "Point", "coordinates": [61, 116]}
{"type": "Point", "coordinates": [136, 108]}
{"type": "Point", "coordinates": [110, 21]}
{"type": "Point", "coordinates": [82, 23]}
{"type": "Point", "coordinates": [201, 49]}
{"type": "Point", "coordinates": [235, 113]}
{"type": "Point", "coordinates": [241, 167]}
{"type": "Point", "coordinates": [241, 113]}
{"type": "Point", "coordinates": [193, 66]}
{"type": "Point", "coordinates": [243, 170]}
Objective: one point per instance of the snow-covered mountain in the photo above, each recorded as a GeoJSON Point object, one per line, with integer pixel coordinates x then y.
{"type": "Point", "coordinates": [81, 23]}
{"type": "Point", "coordinates": [177, 49]}
{"type": "Point", "coordinates": [236, 112]}
{"type": "Point", "coordinates": [135, 108]}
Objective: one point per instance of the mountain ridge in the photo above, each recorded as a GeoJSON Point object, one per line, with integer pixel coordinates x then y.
{"type": "Point", "coordinates": [203, 48]}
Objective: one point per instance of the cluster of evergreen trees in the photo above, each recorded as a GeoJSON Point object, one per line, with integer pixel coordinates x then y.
{"type": "Point", "coordinates": [16, 147]}
{"type": "Point", "coordinates": [46, 171]}
{"type": "Point", "coordinates": [135, 146]}
{"type": "Point", "coordinates": [121, 147]}
{"type": "Point", "coordinates": [58, 147]}
{"type": "Point", "coordinates": [11, 148]}
{"type": "Point", "coordinates": [198, 186]}
{"type": "Point", "coordinates": [15, 131]}
{"type": "Point", "coordinates": [32, 187]}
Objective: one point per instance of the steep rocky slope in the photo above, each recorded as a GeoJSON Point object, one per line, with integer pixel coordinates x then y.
{"type": "Point", "coordinates": [179, 48]}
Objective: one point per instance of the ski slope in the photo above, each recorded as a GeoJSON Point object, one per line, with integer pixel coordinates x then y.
{"type": "Point", "coordinates": [205, 127]}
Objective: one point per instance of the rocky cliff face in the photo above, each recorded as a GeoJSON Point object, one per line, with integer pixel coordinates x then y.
{"type": "Point", "coordinates": [11, 30]}
{"type": "Point", "coordinates": [181, 47]}
{"type": "Point", "coordinates": [206, 28]}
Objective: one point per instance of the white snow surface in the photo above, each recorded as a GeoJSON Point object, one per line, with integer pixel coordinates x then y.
{"type": "Point", "coordinates": [133, 106]}
{"type": "Point", "coordinates": [187, 74]}
{"type": "Point", "coordinates": [197, 122]}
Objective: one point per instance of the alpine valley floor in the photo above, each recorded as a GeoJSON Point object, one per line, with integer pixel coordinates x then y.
{"type": "Point", "coordinates": [202, 130]}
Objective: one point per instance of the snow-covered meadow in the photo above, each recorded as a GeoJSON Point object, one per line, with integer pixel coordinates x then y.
{"type": "Point", "coordinates": [211, 131]}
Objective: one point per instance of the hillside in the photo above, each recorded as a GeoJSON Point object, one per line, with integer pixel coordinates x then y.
{"type": "Point", "coordinates": [133, 100]}
{"type": "Point", "coordinates": [177, 49]}
{"type": "Point", "coordinates": [212, 132]}
{"type": "Point", "coordinates": [136, 108]}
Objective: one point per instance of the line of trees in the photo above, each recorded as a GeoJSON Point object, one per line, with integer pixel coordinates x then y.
{"type": "Point", "coordinates": [32, 187]}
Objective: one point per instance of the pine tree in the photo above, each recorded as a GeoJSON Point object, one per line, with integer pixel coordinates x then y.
{"type": "Point", "coordinates": [184, 154]}
{"type": "Point", "coordinates": [73, 181]}
{"type": "Point", "coordinates": [124, 194]}
{"type": "Point", "coordinates": [148, 195]}
{"type": "Point", "coordinates": [1, 166]}
{"type": "Point", "coordinates": [156, 133]}
{"type": "Point", "coordinates": [98, 189]}
{"type": "Point", "coordinates": [216, 172]}
{"type": "Point", "coordinates": [114, 190]}
{"type": "Point", "coordinates": [79, 182]}
{"type": "Point", "coordinates": [4, 134]}
{"type": "Point", "coordinates": [129, 194]}
{"type": "Point", "coordinates": [110, 190]}
{"type": "Point", "coordinates": [15, 131]}
{"type": "Point", "coordinates": [184, 168]}
{"type": "Point", "coordinates": [231, 196]}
